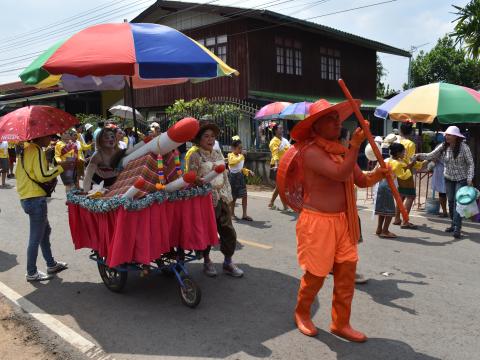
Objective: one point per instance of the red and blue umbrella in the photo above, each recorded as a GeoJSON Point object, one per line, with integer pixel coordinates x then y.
{"type": "Point", "coordinates": [296, 111]}
{"type": "Point", "coordinates": [103, 57]}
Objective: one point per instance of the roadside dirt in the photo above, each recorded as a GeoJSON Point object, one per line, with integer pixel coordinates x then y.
{"type": "Point", "coordinates": [20, 339]}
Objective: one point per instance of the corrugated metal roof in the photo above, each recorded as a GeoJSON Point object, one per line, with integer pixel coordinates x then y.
{"type": "Point", "coordinates": [275, 18]}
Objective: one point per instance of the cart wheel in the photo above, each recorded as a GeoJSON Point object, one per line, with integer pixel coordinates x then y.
{"type": "Point", "coordinates": [114, 280]}
{"type": "Point", "coordinates": [190, 293]}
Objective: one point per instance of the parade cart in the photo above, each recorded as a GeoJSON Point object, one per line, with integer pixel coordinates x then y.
{"type": "Point", "coordinates": [147, 221]}
{"type": "Point", "coordinates": [158, 233]}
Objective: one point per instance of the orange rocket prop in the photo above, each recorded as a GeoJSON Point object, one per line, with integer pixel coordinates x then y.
{"type": "Point", "coordinates": [378, 155]}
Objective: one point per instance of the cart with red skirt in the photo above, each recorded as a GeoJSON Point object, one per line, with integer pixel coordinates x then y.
{"type": "Point", "coordinates": [159, 233]}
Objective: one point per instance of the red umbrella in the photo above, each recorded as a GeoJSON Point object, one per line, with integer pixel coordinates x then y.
{"type": "Point", "coordinates": [34, 121]}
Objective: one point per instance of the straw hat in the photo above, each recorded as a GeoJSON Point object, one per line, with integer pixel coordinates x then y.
{"type": "Point", "coordinates": [303, 130]}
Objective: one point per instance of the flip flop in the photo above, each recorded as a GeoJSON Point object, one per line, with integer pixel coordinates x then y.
{"type": "Point", "coordinates": [388, 235]}
{"type": "Point", "coordinates": [397, 223]}
{"type": "Point", "coordinates": [247, 218]}
{"type": "Point", "coordinates": [273, 207]}
{"type": "Point", "coordinates": [409, 226]}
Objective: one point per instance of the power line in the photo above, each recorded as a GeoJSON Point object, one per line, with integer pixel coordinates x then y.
{"type": "Point", "coordinates": [281, 24]}
{"type": "Point", "coordinates": [60, 22]}
{"type": "Point", "coordinates": [314, 17]}
{"type": "Point", "coordinates": [68, 29]}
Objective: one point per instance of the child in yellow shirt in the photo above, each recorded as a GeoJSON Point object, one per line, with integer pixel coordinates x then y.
{"type": "Point", "coordinates": [384, 201]}
{"type": "Point", "coordinates": [236, 160]}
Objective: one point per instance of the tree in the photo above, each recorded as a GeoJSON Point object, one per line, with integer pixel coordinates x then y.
{"type": "Point", "coordinates": [467, 28]}
{"type": "Point", "coordinates": [445, 63]}
{"type": "Point", "coordinates": [382, 89]}
{"type": "Point", "coordinates": [202, 109]}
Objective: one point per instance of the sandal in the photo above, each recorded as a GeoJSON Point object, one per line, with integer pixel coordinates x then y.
{"type": "Point", "coordinates": [388, 235]}
{"type": "Point", "coordinates": [397, 223]}
{"type": "Point", "coordinates": [409, 226]}
{"type": "Point", "coordinates": [247, 218]}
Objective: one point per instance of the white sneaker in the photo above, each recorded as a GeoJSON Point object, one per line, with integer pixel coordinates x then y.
{"type": "Point", "coordinates": [209, 269]}
{"type": "Point", "coordinates": [232, 270]}
{"type": "Point", "coordinates": [59, 266]}
{"type": "Point", "coordinates": [38, 276]}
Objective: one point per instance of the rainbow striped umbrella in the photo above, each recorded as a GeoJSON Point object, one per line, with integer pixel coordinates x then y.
{"type": "Point", "coordinates": [450, 104]}
{"type": "Point", "coordinates": [103, 57]}
{"type": "Point", "coordinates": [296, 111]}
{"type": "Point", "coordinates": [271, 111]}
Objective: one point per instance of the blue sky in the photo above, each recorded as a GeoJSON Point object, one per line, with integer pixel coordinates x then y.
{"type": "Point", "coordinates": [403, 23]}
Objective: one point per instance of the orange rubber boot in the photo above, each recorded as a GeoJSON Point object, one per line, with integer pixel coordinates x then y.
{"type": "Point", "coordinates": [309, 287]}
{"type": "Point", "coordinates": [344, 285]}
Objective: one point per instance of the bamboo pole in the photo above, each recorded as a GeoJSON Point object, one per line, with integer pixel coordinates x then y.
{"type": "Point", "coordinates": [378, 155]}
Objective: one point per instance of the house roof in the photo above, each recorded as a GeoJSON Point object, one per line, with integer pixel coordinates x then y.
{"type": "Point", "coordinates": [14, 87]}
{"type": "Point", "coordinates": [274, 18]}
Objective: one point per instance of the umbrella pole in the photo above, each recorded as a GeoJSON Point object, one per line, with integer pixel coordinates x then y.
{"type": "Point", "coordinates": [378, 155]}
{"type": "Point", "coordinates": [134, 115]}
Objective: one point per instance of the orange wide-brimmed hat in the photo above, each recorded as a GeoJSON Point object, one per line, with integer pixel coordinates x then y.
{"type": "Point", "coordinates": [303, 130]}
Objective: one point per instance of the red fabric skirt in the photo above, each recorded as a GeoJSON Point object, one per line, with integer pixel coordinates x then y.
{"type": "Point", "coordinates": [143, 236]}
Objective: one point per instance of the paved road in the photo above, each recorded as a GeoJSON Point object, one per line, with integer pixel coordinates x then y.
{"type": "Point", "coordinates": [426, 309]}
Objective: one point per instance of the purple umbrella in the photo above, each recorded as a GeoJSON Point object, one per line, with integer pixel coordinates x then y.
{"type": "Point", "coordinates": [297, 111]}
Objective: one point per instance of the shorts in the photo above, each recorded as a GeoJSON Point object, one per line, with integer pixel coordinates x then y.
{"type": "Point", "coordinates": [406, 187]}
{"type": "Point", "coordinates": [4, 165]}
{"type": "Point", "coordinates": [322, 240]}
{"type": "Point", "coordinates": [238, 185]}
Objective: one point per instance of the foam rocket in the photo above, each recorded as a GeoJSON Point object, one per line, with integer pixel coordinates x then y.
{"type": "Point", "coordinates": [181, 132]}
{"type": "Point", "coordinates": [214, 173]}
{"type": "Point", "coordinates": [134, 189]}
{"type": "Point", "coordinates": [182, 182]}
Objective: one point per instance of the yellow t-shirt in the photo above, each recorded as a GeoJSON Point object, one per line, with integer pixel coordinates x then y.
{"type": "Point", "coordinates": [278, 147]}
{"type": "Point", "coordinates": [235, 161]}
{"type": "Point", "coordinates": [4, 150]}
{"type": "Point", "coordinates": [61, 156]}
{"type": "Point", "coordinates": [410, 151]}
{"type": "Point", "coordinates": [399, 169]}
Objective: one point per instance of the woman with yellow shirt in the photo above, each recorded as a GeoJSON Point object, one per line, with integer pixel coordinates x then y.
{"type": "Point", "coordinates": [278, 146]}
{"type": "Point", "coordinates": [237, 173]}
{"type": "Point", "coordinates": [384, 202]}
{"type": "Point", "coordinates": [4, 159]}
{"type": "Point", "coordinates": [31, 170]}
{"type": "Point", "coordinates": [406, 187]}
{"type": "Point", "coordinates": [66, 155]}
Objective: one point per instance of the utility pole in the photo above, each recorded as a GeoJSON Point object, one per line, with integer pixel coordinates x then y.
{"type": "Point", "coordinates": [412, 50]}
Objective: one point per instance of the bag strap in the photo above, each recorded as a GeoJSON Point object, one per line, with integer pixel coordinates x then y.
{"type": "Point", "coordinates": [26, 172]}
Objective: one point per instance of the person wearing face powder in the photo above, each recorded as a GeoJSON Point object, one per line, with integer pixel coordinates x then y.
{"type": "Point", "coordinates": [202, 160]}
{"type": "Point", "coordinates": [103, 163]}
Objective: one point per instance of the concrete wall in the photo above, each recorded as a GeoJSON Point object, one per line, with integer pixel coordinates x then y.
{"type": "Point", "coordinates": [259, 163]}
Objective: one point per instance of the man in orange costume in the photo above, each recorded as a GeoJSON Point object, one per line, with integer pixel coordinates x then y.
{"type": "Point", "coordinates": [328, 227]}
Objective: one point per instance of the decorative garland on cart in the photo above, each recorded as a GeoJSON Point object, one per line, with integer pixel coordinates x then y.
{"type": "Point", "coordinates": [100, 205]}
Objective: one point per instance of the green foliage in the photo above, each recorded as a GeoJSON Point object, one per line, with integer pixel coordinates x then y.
{"type": "Point", "coordinates": [466, 31]}
{"type": "Point", "coordinates": [254, 180]}
{"type": "Point", "coordinates": [202, 109]}
{"type": "Point", "coordinates": [382, 89]}
{"type": "Point", "coordinates": [445, 63]}
{"type": "Point", "coordinates": [88, 118]}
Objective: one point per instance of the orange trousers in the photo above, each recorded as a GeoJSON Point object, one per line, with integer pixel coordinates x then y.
{"type": "Point", "coordinates": [322, 240]}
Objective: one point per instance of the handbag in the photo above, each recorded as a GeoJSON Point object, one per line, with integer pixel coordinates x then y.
{"type": "Point", "coordinates": [48, 186]}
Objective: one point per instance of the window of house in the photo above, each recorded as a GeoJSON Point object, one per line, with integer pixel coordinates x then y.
{"type": "Point", "coordinates": [288, 56]}
{"type": "Point", "coordinates": [330, 64]}
{"type": "Point", "coordinates": [217, 45]}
